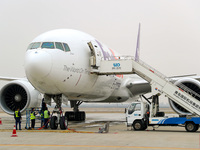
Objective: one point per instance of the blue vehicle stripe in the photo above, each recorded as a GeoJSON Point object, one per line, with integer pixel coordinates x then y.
{"type": "Point", "coordinates": [181, 120]}
{"type": "Point", "coordinates": [161, 121]}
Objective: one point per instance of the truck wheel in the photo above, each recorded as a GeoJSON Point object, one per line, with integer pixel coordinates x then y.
{"type": "Point", "coordinates": [191, 127]}
{"type": "Point", "coordinates": [137, 125]}
{"type": "Point", "coordinates": [197, 126]}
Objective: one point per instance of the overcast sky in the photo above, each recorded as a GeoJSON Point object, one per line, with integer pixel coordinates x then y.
{"type": "Point", "coordinates": [170, 29]}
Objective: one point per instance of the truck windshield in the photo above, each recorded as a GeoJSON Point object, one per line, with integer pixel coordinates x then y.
{"type": "Point", "coordinates": [134, 107]}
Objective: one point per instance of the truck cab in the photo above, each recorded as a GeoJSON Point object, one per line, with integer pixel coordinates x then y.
{"type": "Point", "coordinates": [137, 115]}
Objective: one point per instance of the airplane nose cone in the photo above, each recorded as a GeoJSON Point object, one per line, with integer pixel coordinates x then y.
{"type": "Point", "coordinates": [38, 64]}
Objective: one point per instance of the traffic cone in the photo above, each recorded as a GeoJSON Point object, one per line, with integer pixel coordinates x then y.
{"type": "Point", "coordinates": [0, 122]}
{"type": "Point", "coordinates": [14, 132]}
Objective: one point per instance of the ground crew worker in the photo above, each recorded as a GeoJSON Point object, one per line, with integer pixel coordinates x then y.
{"type": "Point", "coordinates": [32, 117]}
{"type": "Point", "coordinates": [42, 112]}
{"type": "Point", "coordinates": [42, 117]}
{"type": "Point", "coordinates": [43, 105]}
{"type": "Point", "coordinates": [18, 118]}
{"type": "Point", "coordinates": [46, 117]}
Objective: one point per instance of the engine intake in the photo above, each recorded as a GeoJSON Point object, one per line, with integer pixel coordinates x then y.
{"type": "Point", "coordinates": [19, 94]}
{"type": "Point", "coordinates": [194, 85]}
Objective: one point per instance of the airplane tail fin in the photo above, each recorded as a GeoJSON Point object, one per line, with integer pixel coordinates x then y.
{"type": "Point", "coordinates": [137, 53]}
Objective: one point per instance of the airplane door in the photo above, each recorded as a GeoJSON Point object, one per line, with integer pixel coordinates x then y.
{"type": "Point", "coordinates": [95, 59]}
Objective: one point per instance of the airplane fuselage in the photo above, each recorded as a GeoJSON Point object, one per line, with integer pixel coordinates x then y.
{"type": "Point", "coordinates": [54, 71]}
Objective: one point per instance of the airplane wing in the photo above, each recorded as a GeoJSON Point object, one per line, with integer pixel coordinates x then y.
{"type": "Point", "coordinates": [139, 87]}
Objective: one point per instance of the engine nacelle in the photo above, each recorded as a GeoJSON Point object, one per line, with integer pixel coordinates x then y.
{"type": "Point", "coordinates": [19, 93]}
{"type": "Point", "coordinates": [194, 85]}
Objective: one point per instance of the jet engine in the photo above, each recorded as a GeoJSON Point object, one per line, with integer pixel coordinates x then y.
{"type": "Point", "coordinates": [19, 94]}
{"type": "Point", "coordinates": [192, 84]}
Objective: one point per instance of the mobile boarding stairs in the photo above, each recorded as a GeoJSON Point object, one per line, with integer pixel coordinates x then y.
{"type": "Point", "coordinates": [160, 84]}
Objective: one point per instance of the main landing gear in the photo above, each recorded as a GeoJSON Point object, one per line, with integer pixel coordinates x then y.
{"type": "Point", "coordinates": [75, 115]}
{"type": "Point", "coordinates": [58, 118]}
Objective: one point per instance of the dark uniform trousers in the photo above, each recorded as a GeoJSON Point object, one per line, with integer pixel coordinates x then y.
{"type": "Point", "coordinates": [18, 121]}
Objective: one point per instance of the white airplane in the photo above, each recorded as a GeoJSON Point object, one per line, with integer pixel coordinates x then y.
{"type": "Point", "coordinates": [58, 66]}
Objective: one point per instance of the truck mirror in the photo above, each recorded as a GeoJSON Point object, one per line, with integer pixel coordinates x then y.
{"type": "Point", "coordinates": [125, 110]}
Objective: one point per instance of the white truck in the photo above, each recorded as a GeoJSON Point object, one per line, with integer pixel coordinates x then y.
{"type": "Point", "coordinates": [141, 114]}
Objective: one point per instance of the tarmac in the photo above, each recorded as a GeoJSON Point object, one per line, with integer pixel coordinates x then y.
{"type": "Point", "coordinates": [84, 135]}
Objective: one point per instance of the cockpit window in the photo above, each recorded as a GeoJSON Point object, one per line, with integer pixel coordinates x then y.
{"type": "Point", "coordinates": [30, 45]}
{"type": "Point", "coordinates": [48, 45]}
{"type": "Point", "coordinates": [59, 46]}
{"type": "Point", "coordinates": [66, 47]}
{"type": "Point", "coordinates": [35, 45]}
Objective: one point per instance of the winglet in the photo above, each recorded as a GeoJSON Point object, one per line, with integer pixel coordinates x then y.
{"type": "Point", "coordinates": [137, 53]}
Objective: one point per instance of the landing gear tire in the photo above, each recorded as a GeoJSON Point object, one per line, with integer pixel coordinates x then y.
{"type": "Point", "coordinates": [137, 125]}
{"type": "Point", "coordinates": [80, 116]}
{"type": "Point", "coordinates": [191, 127]}
{"type": "Point", "coordinates": [83, 116]}
{"type": "Point", "coordinates": [53, 124]}
{"type": "Point", "coordinates": [75, 116]}
{"type": "Point", "coordinates": [70, 115]}
{"type": "Point", "coordinates": [63, 123]}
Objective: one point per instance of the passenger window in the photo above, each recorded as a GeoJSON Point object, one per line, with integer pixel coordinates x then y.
{"type": "Point", "coordinates": [59, 46]}
{"type": "Point", "coordinates": [48, 45]}
{"type": "Point", "coordinates": [66, 47]}
{"type": "Point", "coordinates": [35, 45]}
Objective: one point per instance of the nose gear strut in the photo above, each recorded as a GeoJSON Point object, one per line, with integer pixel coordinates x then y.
{"type": "Point", "coordinates": [58, 118]}
{"type": "Point", "coordinates": [61, 119]}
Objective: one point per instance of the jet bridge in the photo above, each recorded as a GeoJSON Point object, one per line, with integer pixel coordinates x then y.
{"type": "Point", "coordinates": [160, 84]}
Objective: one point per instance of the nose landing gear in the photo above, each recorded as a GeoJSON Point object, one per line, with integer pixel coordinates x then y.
{"type": "Point", "coordinates": [58, 118]}
{"type": "Point", "coordinates": [62, 120]}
